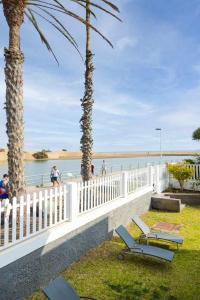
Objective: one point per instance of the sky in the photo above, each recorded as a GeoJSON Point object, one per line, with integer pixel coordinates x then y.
{"type": "Point", "coordinates": [150, 79]}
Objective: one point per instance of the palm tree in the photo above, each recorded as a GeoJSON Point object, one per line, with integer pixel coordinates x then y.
{"type": "Point", "coordinates": [87, 101]}
{"type": "Point", "coordinates": [15, 11]}
{"type": "Point", "coordinates": [196, 134]}
{"type": "Point", "coordinates": [86, 104]}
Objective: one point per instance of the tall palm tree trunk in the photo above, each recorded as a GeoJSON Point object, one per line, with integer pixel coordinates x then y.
{"type": "Point", "coordinates": [14, 13]}
{"type": "Point", "coordinates": [87, 104]}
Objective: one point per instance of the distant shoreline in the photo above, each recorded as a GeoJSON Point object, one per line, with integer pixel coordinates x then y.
{"type": "Point", "coordinates": [65, 155]}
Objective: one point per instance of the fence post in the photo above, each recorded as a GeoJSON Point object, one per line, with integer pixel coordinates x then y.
{"type": "Point", "coordinates": [157, 179]}
{"type": "Point", "coordinates": [124, 184]}
{"type": "Point", "coordinates": [150, 175]}
{"type": "Point", "coordinates": [72, 206]}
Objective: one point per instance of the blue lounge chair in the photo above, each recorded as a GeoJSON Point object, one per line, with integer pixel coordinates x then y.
{"type": "Point", "coordinates": [148, 234]}
{"type": "Point", "coordinates": [139, 249]}
{"type": "Point", "coordinates": [59, 289]}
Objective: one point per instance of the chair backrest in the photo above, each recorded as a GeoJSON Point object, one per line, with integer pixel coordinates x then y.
{"type": "Point", "coordinates": [143, 227]}
{"type": "Point", "coordinates": [59, 289]}
{"type": "Point", "coordinates": [125, 236]}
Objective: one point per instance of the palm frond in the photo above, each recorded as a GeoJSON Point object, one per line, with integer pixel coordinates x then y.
{"type": "Point", "coordinates": [32, 19]}
{"type": "Point", "coordinates": [106, 11]}
{"type": "Point", "coordinates": [56, 6]}
{"type": "Point", "coordinates": [80, 19]}
{"type": "Point", "coordinates": [62, 30]}
{"type": "Point", "coordinates": [99, 7]}
{"type": "Point", "coordinates": [113, 6]}
{"type": "Point", "coordinates": [110, 4]}
{"type": "Point", "coordinates": [61, 25]}
{"type": "Point", "coordinates": [48, 10]}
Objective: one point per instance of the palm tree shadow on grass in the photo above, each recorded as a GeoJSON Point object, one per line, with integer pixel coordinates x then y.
{"type": "Point", "coordinates": [138, 290]}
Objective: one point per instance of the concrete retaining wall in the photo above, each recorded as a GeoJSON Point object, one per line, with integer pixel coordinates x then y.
{"type": "Point", "coordinates": [186, 198]}
{"type": "Point", "coordinates": [166, 203]}
{"type": "Point", "coordinates": [24, 276]}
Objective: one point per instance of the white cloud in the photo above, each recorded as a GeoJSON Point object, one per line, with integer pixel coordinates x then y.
{"type": "Point", "coordinates": [123, 105]}
{"type": "Point", "coordinates": [184, 111]}
{"type": "Point", "coordinates": [181, 118]}
{"type": "Point", "coordinates": [125, 42]}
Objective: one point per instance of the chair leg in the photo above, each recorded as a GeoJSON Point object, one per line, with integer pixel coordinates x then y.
{"type": "Point", "coordinates": [121, 254]}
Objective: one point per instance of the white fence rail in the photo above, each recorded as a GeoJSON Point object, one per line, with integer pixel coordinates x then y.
{"type": "Point", "coordinates": [95, 193]}
{"type": "Point", "coordinates": [30, 215]}
{"type": "Point", "coordinates": [196, 169]}
{"type": "Point", "coordinates": [137, 179]}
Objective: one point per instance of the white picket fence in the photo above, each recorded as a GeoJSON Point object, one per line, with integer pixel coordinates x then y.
{"type": "Point", "coordinates": [40, 218]}
{"type": "Point", "coordinates": [95, 193]}
{"type": "Point", "coordinates": [137, 179]}
{"type": "Point", "coordinates": [196, 169]}
{"type": "Point", "coordinates": [31, 214]}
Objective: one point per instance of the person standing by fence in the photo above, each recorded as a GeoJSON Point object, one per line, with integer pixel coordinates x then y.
{"type": "Point", "coordinates": [103, 168]}
{"type": "Point", "coordinates": [92, 170]}
{"type": "Point", "coordinates": [55, 175]}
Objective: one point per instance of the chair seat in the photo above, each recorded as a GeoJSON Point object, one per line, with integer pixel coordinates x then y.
{"type": "Point", "coordinates": [165, 236]}
{"type": "Point", "coordinates": [154, 251]}
{"type": "Point", "coordinates": [148, 234]}
{"type": "Point", "coordinates": [59, 289]}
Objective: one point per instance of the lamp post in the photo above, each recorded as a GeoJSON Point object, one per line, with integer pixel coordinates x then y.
{"type": "Point", "coordinates": [160, 129]}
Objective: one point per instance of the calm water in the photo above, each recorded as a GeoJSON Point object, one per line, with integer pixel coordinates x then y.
{"type": "Point", "coordinates": [34, 168]}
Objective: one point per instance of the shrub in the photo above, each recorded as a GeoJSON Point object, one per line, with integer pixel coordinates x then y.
{"type": "Point", "coordinates": [180, 172]}
{"type": "Point", "coordinates": [2, 150]}
{"type": "Point", "coordinates": [193, 161]}
{"type": "Point", "coordinates": [198, 159]}
{"type": "Point", "coordinates": [64, 150]}
{"type": "Point", "coordinates": [189, 161]}
{"type": "Point", "coordinates": [40, 155]}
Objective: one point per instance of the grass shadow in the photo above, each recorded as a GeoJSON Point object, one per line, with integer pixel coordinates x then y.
{"type": "Point", "coordinates": [138, 290]}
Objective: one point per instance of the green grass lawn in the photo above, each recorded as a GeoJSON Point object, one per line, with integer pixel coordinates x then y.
{"type": "Point", "coordinates": [101, 275]}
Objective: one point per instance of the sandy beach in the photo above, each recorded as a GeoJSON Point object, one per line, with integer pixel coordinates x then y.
{"type": "Point", "coordinates": [100, 155]}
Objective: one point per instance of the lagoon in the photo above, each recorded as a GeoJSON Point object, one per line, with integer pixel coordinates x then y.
{"type": "Point", "coordinates": [36, 171]}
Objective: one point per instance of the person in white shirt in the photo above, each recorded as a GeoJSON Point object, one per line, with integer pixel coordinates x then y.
{"type": "Point", "coordinates": [55, 175]}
